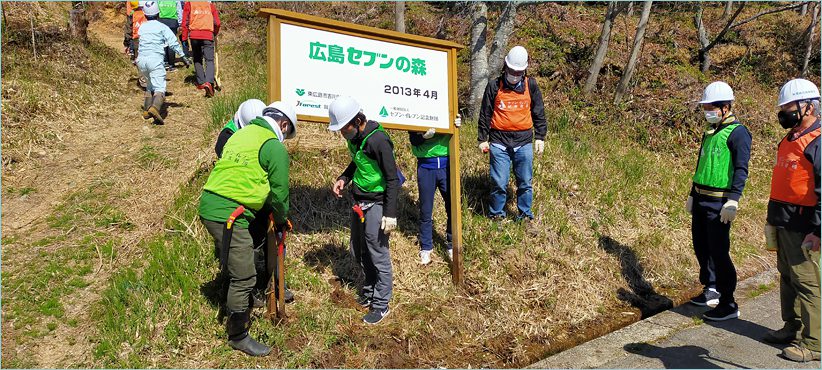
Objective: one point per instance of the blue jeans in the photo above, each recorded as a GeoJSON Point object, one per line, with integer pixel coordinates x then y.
{"type": "Point", "coordinates": [429, 180]}
{"type": "Point", "coordinates": [501, 159]}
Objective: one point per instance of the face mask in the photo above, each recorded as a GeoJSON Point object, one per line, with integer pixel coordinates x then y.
{"type": "Point", "coordinates": [350, 135]}
{"type": "Point", "coordinates": [513, 80]}
{"type": "Point", "coordinates": [789, 120]}
{"type": "Point", "coordinates": [713, 117]}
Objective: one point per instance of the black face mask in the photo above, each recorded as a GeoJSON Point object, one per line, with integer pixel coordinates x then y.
{"type": "Point", "coordinates": [789, 120]}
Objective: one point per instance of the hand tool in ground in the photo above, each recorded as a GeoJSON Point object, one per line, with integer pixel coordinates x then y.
{"type": "Point", "coordinates": [276, 298]}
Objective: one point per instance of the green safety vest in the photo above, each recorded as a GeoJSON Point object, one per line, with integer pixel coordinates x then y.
{"type": "Point", "coordinates": [238, 175]}
{"type": "Point", "coordinates": [168, 9]}
{"type": "Point", "coordinates": [437, 146]}
{"type": "Point", "coordinates": [715, 168]}
{"type": "Point", "coordinates": [368, 176]}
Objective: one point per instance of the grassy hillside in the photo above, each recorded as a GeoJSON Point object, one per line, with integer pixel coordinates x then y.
{"type": "Point", "coordinates": [613, 241]}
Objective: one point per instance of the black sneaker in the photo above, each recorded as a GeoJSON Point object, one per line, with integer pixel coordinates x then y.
{"type": "Point", "coordinates": [375, 315]}
{"type": "Point", "coordinates": [722, 312]}
{"type": "Point", "coordinates": [258, 298]}
{"type": "Point", "coordinates": [709, 297]}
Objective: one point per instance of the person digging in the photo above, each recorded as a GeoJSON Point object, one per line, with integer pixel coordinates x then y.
{"type": "Point", "coordinates": [252, 174]}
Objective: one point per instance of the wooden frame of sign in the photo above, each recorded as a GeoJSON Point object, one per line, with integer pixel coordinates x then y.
{"type": "Point", "coordinates": [277, 18]}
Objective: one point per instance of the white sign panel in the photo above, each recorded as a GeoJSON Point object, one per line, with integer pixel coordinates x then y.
{"type": "Point", "coordinates": [394, 83]}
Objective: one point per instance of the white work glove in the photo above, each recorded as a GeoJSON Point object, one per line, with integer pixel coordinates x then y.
{"type": "Point", "coordinates": [429, 134]}
{"type": "Point", "coordinates": [458, 121]}
{"type": "Point", "coordinates": [388, 224]}
{"type": "Point", "coordinates": [484, 146]}
{"type": "Point", "coordinates": [771, 243]}
{"type": "Point", "coordinates": [728, 212]}
{"type": "Point", "coordinates": [811, 242]}
{"type": "Point", "coordinates": [539, 146]}
{"type": "Point", "coordinates": [689, 205]}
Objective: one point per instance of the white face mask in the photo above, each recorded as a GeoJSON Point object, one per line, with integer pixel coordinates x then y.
{"type": "Point", "coordinates": [713, 117]}
{"type": "Point", "coordinates": [513, 80]}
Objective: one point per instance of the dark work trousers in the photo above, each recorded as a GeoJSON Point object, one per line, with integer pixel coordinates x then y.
{"type": "Point", "coordinates": [172, 24]}
{"type": "Point", "coordinates": [203, 51]}
{"type": "Point", "coordinates": [369, 247]}
{"type": "Point", "coordinates": [241, 273]}
{"type": "Point", "coordinates": [712, 246]}
{"type": "Point", "coordinates": [429, 181]}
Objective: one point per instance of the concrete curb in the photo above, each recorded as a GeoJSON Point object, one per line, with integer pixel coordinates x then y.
{"type": "Point", "coordinates": [598, 352]}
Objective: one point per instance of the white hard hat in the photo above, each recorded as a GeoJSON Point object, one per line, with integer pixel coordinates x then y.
{"type": "Point", "coordinates": [141, 4]}
{"type": "Point", "coordinates": [341, 111]}
{"type": "Point", "coordinates": [247, 111]}
{"type": "Point", "coordinates": [717, 91]}
{"type": "Point", "coordinates": [151, 8]}
{"type": "Point", "coordinates": [796, 90]}
{"type": "Point", "coordinates": [287, 110]}
{"type": "Point", "coordinates": [517, 58]}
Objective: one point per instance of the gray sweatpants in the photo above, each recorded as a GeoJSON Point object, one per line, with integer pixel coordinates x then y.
{"type": "Point", "coordinates": [203, 53]}
{"type": "Point", "coordinates": [369, 247]}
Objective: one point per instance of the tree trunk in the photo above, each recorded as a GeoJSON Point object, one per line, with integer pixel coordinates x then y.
{"type": "Point", "coordinates": [505, 27]}
{"type": "Point", "coordinates": [399, 16]}
{"type": "Point", "coordinates": [630, 9]}
{"type": "Point", "coordinates": [804, 10]}
{"type": "Point", "coordinates": [632, 61]}
{"type": "Point", "coordinates": [602, 48]}
{"type": "Point", "coordinates": [810, 43]}
{"type": "Point", "coordinates": [729, 6]}
{"type": "Point", "coordinates": [479, 56]}
{"type": "Point", "coordinates": [702, 33]}
{"type": "Point", "coordinates": [78, 24]}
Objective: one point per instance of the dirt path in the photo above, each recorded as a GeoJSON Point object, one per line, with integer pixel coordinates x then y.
{"type": "Point", "coordinates": [144, 165]}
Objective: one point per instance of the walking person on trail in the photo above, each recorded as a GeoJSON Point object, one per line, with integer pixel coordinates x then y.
{"type": "Point", "coordinates": [374, 215]}
{"type": "Point", "coordinates": [201, 24]}
{"type": "Point", "coordinates": [171, 15]}
{"type": "Point", "coordinates": [251, 174]}
{"type": "Point", "coordinates": [433, 173]}
{"type": "Point", "coordinates": [258, 227]}
{"type": "Point", "coordinates": [512, 128]}
{"type": "Point", "coordinates": [721, 171]}
{"type": "Point", "coordinates": [154, 36]}
{"type": "Point", "coordinates": [793, 221]}
{"type": "Point", "coordinates": [134, 19]}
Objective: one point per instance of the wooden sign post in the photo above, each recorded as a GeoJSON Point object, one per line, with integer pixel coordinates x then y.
{"type": "Point", "coordinates": [405, 82]}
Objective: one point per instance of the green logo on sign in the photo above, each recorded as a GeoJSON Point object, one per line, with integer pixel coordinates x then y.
{"type": "Point", "coordinates": [383, 112]}
{"type": "Point", "coordinates": [300, 92]}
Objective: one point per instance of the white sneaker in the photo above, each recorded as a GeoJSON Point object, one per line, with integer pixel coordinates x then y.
{"type": "Point", "coordinates": [450, 254]}
{"type": "Point", "coordinates": [425, 257]}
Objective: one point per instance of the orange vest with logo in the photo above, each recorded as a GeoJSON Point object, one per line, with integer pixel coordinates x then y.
{"type": "Point", "coordinates": [201, 18]}
{"type": "Point", "coordinates": [792, 180]}
{"type": "Point", "coordinates": [137, 20]}
{"type": "Point", "coordinates": [512, 110]}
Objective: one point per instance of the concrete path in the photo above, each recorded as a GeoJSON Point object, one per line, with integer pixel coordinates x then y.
{"type": "Point", "coordinates": [679, 338]}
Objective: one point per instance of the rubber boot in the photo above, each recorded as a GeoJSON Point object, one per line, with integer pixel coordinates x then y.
{"type": "Point", "coordinates": [147, 99]}
{"type": "Point", "coordinates": [156, 106]}
{"type": "Point", "coordinates": [238, 338]}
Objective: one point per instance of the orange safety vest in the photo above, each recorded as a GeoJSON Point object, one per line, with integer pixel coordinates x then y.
{"type": "Point", "coordinates": [137, 20]}
{"type": "Point", "coordinates": [512, 110]}
{"type": "Point", "coordinates": [792, 180]}
{"type": "Point", "coordinates": [201, 18]}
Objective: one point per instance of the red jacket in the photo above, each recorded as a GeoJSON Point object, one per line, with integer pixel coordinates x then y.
{"type": "Point", "coordinates": [192, 27]}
